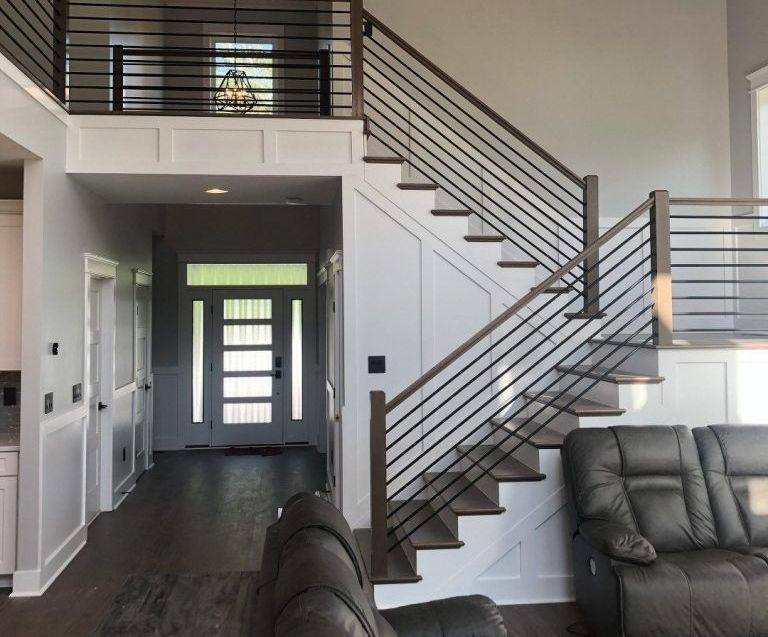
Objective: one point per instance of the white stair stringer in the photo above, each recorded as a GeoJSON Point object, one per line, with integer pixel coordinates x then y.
{"type": "Point", "coordinates": [518, 557]}
{"type": "Point", "coordinates": [418, 204]}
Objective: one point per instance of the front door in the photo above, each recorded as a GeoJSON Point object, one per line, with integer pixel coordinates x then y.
{"type": "Point", "coordinates": [93, 435]}
{"type": "Point", "coordinates": [247, 367]}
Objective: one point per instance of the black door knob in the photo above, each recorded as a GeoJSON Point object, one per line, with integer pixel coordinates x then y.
{"type": "Point", "coordinates": [147, 387]}
{"type": "Point", "coordinates": [102, 406]}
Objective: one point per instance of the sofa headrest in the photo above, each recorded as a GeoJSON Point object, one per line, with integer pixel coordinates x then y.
{"type": "Point", "coordinates": [315, 587]}
{"type": "Point", "coordinates": [735, 462]}
{"type": "Point", "coordinates": [647, 479]}
{"type": "Point", "coordinates": [306, 511]}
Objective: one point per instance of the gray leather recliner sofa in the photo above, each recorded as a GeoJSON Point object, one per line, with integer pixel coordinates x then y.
{"type": "Point", "coordinates": [670, 536]}
{"type": "Point", "coordinates": [313, 583]}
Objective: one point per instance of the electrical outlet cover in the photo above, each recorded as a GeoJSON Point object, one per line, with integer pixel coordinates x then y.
{"type": "Point", "coordinates": [77, 393]}
{"type": "Point", "coordinates": [48, 403]}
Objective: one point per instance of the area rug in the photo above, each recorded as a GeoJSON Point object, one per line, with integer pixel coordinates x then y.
{"type": "Point", "coordinates": [202, 605]}
{"type": "Point", "coordinates": [253, 451]}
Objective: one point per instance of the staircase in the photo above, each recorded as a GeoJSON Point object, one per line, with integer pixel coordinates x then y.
{"type": "Point", "coordinates": [465, 467]}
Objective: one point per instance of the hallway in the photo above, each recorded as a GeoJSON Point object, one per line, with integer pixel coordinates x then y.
{"type": "Point", "coordinates": [194, 512]}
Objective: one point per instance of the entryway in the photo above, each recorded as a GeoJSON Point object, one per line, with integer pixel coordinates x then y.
{"type": "Point", "coordinates": [247, 331]}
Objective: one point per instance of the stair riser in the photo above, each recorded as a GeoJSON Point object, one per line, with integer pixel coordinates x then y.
{"type": "Point", "coordinates": [629, 396]}
{"type": "Point", "coordinates": [557, 420]}
{"type": "Point", "coordinates": [483, 481]}
{"type": "Point", "coordinates": [525, 453]}
{"type": "Point", "coordinates": [449, 518]}
{"type": "Point", "coordinates": [640, 361]}
{"type": "Point", "coordinates": [416, 202]}
{"type": "Point", "coordinates": [599, 391]}
{"type": "Point", "coordinates": [384, 173]}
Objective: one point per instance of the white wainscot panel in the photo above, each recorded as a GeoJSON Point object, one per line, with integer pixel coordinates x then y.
{"type": "Point", "coordinates": [122, 426]}
{"type": "Point", "coordinates": [748, 404]}
{"type": "Point", "coordinates": [243, 147]}
{"type": "Point", "coordinates": [701, 390]}
{"type": "Point", "coordinates": [62, 483]}
{"type": "Point", "coordinates": [132, 145]}
{"type": "Point", "coordinates": [314, 147]}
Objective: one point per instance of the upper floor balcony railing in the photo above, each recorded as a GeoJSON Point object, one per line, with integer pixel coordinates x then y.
{"type": "Point", "coordinates": [291, 58]}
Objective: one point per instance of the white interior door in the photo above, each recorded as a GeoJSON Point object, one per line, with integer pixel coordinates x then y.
{"type": "Point", "coordinates": [93, 435]}
{"type": "Point", "coordinates": [248, 368]}
{"type": "Point", "coordinates": [143, 376]}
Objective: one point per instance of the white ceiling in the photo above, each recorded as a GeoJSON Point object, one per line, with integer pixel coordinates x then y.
{"type": "Point", "coordinates": [190, 189]}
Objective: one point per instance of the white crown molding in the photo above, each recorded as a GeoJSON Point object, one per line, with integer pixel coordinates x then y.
{"type": "Point", "coordinates": [101, 267]}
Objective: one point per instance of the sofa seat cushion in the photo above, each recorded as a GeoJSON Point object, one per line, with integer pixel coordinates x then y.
{"type": "Point", "coordinates": [707, 593]}
{"type": "Point", "coordinates": [454, 617]}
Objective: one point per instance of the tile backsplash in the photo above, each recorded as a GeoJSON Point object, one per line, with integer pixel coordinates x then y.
{"type": "Point", "coordinates": [10, 417]}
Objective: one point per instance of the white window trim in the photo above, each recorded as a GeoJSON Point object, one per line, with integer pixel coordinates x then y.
{"type": "Point", "coordinates": [758, 82]}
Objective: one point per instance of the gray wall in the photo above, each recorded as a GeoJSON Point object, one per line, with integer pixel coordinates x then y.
{"type": "Point", "coordinates": [224, 230]}
{"type": "Point", "coordinates": [636, 92]}
{"type": "Point", "coordinates": [747, 52]}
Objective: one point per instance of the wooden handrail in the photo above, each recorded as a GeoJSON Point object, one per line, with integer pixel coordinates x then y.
{"type": "Point", "coordinates": [705, 201]}
{"type": "Point", "coordinates": [472, 98]}
{"type": "Point", "coordinates": [516, 307]}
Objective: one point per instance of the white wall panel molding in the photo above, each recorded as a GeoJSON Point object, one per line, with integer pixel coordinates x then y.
{"type": "Point", "coordinates": [109, 144]}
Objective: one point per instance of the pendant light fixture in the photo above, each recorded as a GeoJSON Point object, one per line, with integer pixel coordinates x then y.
{"type": "Point", "coordinates": [235, 92]}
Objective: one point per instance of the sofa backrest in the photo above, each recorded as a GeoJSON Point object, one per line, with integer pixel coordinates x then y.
{"type": "Point", "coordinates": [735, 463]}
{"type": "Point", "coordinates": [314, 579]}
{"type": "Point", "coordinates": [648, 479]}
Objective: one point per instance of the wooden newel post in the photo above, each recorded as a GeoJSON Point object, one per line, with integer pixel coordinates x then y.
{"type": "Point", "coordinates": [661, 269]}
{"type": "Point", "coordinates": [378, 485]}
{"type": "Point", "coordinates": [60, 27]}
{"type": "Point", "coordinates": [591, 234]}
{"type": "Point", "coordinates": [118, 83]}
{"type": "Point", "coordinates": [356, 26]}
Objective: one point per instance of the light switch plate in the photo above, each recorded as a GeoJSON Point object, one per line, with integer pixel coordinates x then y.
{"type": "Point", "coordinates": [48, 403]}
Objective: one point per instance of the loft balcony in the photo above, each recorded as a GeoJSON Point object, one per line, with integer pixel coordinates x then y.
{"type": "Point", "coordinates": [262, 58]}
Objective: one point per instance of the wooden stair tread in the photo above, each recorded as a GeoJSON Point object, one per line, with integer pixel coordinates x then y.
{"type": "Point", "coordinates": [399, 569]}
{"type": "Point", "coordinates": [522, 428]}
{"type": "Point", "coordinates": [556, 290]}
{"type": "Point", "coordinates": [616, 376]}
{"type": "Point", "coordinates": [433, 534]}
{"type": "Point", "coordinates": [442, 212]}
{"type": "Point", "coordinates": [506, 469]}
{"type": "Point", "coordinates": [484, 238]}
{"type": "Point", "coordinates": [417, 186]}
{"type": "Point", "coordinates": [371, 159]}
{"type": "Point", "coordinates": [518, 264]}
{"type": "Point", "coordinates": [472, 501]}
{"type": "Point", "coordinates": [620, 342]}
{"type": "Point", "coordinates": [585, 316]}
{"type": "Point", "coordinates": [576, 406]}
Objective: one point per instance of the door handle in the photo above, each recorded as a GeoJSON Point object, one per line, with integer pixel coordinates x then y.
{"type": "Point", "coordinates": [147, 387]}
{"type": "Point", "coordinates": [102, 406]}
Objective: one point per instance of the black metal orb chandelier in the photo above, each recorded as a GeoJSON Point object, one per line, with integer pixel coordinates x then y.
{"type": "Point", "coordinates": [235, 93]}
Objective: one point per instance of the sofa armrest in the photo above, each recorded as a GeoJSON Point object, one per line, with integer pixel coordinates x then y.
{"type": "Point", "coordinates": [454, 617]}
{"type": "Point", "coordinates": [617, 542]}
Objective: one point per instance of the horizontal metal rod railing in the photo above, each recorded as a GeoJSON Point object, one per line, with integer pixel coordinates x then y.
{"type": "Point", "coordinates": [517, 307]}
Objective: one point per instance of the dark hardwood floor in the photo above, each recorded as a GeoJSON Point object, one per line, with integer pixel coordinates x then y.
{"type": "Point", "coordinates": [194, 512]}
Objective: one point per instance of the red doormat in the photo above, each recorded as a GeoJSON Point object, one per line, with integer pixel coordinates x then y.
{"type": "Point", "coordinates": [253, 451]}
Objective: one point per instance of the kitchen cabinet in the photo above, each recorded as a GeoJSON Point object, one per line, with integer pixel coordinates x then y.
{"type": "Point", "coordinates": [9, 471]}
{"type": "Point", "coordinates": [10, 284]}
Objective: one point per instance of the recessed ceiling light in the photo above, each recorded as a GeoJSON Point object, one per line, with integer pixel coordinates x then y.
{"type": "Point", "coordinates": [217, 191]}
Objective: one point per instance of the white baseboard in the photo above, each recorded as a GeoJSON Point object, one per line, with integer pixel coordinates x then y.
{"type": "Point", "coordinates": [34, 583]}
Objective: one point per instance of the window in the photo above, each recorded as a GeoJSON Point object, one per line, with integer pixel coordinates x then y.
{"type": "Point", "coordinates": [198, 362]}
{"type": "Point", "coordinates": [258, 69]}
{"type": "Point", "coordinates": [248, 274]}
{"type": "Point", "coordinates": [297, 367]}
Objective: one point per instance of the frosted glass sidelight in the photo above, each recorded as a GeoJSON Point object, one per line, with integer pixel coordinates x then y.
{"type": "Point", "coordinates": [248, 387]}
{"type": "Point", "coordinates": [247, 335]}
{"type": "Point", "coordinates": [250, 274]}
{"type": "Point", "coordinates": [297, 367]}
{"type": "Point", "coordinates": [248, 361]}
{"type": "Point", "coordinates": [198, 362]}
{"type": "Point", "coordinates": [247, 309]}
{"type": "Point", "coordinates": [247, 413]}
